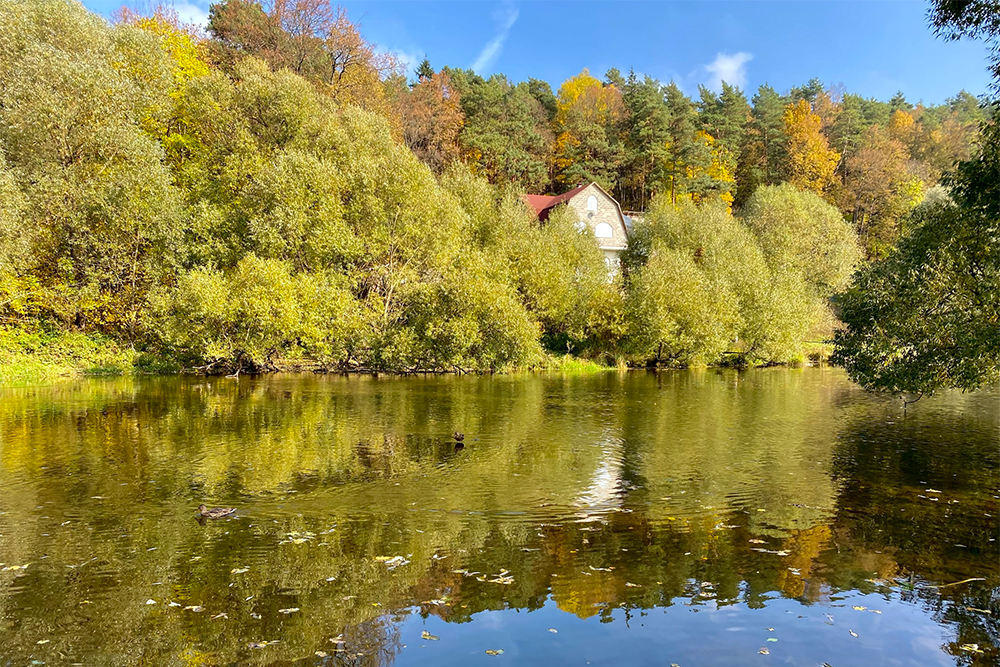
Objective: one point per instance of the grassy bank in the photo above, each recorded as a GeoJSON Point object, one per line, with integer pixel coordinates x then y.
{"type": "Point", "coordinates": [29, 356]}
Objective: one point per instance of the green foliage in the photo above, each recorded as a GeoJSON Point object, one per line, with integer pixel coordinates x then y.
{"type": "Point", "coordinates": [506, 137]}
{"type": "Point", "coordinates": [927, 317]}
{"type": "Point", "coordinates": [248, 317]}
{"type": "Point", "coordinates": [801, 232]}
{"type": "Point", "coordinates": [236, 210]}
{"type": "Point", "coordinates": [709, 287]}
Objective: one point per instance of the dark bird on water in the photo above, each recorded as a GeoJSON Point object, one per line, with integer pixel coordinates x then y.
{"type": "Point", "coordinates": [459, 436]}
{"type": "Point", "coordinates": [215, 512]}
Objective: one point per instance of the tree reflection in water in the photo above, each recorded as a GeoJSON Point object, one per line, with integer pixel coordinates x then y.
{"type": "Point", "coordinates": [700, 496]}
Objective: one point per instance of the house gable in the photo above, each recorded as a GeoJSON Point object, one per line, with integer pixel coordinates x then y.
{"type": "Point", "coordinates": [592, 206]}
{"type": "Point", "coordinates": [602, 215]}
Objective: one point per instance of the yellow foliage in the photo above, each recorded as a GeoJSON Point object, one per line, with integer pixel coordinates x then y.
{"type": "Point", "coordinates": [901, 126]}
{"type": "Point", "coordinates": [811, 159]}
{"type": "Point", "coordinates": [585, 95]}
{"type": "Point", "coordinates": [188, 55]}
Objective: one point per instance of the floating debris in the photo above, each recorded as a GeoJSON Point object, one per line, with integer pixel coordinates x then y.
{"type": "Point", "coordinates": [196, 608]}
{"type": "Point", "coordinates": [764, 651]}
{"type": "Point", "coordinates": [853, 633]}
{"type": "Point", "coordinates": [427, 635]}
{"type": "Point", "coordinates": [769, 551]}
{"type": "Point", "coordinates": [392, 562]}
{"type": "Point", "coordinates": [491, 651]}
{"type": "Point", "coordinates": [553, 630]}
{"type": "Point", "coordinates": [220, 615]}
{"type": "Point", "coordinates": [150, 601]}
{"type": "Point", "coordinates": [290, 610]}
{"type": "Point", "coordinates": [971, 648]}
{"type": "Point", "coordinates": [239, 570]}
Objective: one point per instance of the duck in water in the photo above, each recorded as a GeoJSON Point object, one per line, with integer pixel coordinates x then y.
{"type": "Point", "coordinates": [215, 512]}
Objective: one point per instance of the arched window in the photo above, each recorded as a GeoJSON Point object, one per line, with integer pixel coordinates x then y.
{"type": "Point", "coordinates": [603, 231]}
{"type": "Point", "coordinates": [591, 203]}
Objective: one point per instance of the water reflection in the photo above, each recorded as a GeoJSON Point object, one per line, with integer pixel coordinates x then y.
{"type": "Point", "coordinates": [670, 517]}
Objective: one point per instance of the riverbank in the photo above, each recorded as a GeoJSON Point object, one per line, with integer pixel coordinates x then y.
{"type": "Point", "coordinates": [41, 354]}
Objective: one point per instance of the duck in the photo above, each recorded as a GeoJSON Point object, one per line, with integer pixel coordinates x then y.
{"type": "Point", "coordinates": [459, 436]}
{"type": "Point", "coordinates": [215, 512]}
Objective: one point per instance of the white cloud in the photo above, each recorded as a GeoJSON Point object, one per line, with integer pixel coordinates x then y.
{"type": "Point", "coordinates": [191, 13]}
{"type": "Point", "coordinates": [731, 68]}
{"type": "Point", "coordinates": [407, 61]}
{"type": "Point", "coordinates": [505, 19]}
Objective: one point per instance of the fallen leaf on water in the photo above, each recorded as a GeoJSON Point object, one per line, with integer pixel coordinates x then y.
{"type": "Point", "coordinates": [491, 651]}
{"type": "Point", "coordinates": [772, 639]}
{"type": "Point", "coordinates": [853, 633]}
{"type": "Point", "coordinates": [42, 641]}
{"type": "Point", "coordinates": [770, 629]}
{"type": "Point", "coordinates": [259, 644]}
{"type": "Point", "coordinates": [173, 604]}
{"type": "Point", "coordinates": [427, 635]}
{"type": "Point", "coordinates": [981, 611]}
{"type": "Point", "coordinates": [553, 630]}
{"type": "Point", "coordinates": [857, 608]}
{"type": "Point", "coordinates": [150, 601]}
{"type": "Point", "coordinates": [321, 654]}
{"type": "Point", "coordinates": [86, 602]}
{"type": "Point", "coordinates": [631, 585]}
{"type": "Point", "coordinates": [290, 610]}
{"type": "Point", "coordinates": [971, 648]}
{"type": "Point", "coordinates": [339, 639]}
{"type": "Point", "coordinates": [756, 541]}
{"type": "Point", "coordinates": [194, 607]}
{"type": "Point", "coordinates": [764, 651]}
{"type": "Point", "coordinates": [221, 615]}
{"type": "Point", "coordinates": [239, 570]}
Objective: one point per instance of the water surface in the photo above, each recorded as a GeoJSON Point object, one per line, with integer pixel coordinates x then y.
{"type": "Point", "coordinates": [773, 517]}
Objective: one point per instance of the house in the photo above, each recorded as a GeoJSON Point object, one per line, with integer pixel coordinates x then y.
{"type": "Point", "coordinates": [595, 210]}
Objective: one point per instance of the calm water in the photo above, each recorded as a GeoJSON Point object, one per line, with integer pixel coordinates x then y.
{"type": "Point", "coordinates": [775, 517]}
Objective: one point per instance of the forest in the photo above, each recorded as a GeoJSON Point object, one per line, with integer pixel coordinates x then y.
{"type": "Point", "coordinates": [275, 190]}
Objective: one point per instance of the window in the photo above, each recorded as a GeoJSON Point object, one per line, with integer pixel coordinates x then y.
{"type": "Point", "coordinates": [603, 231]}
{"type": "Point", "coordinates": [591, 203]}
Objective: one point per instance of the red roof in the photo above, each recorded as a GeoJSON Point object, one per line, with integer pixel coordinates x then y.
{"type": "Point", "coordinates": [542, 205]}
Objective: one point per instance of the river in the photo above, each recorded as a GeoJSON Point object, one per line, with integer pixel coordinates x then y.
{"type": "Point", "coordinates": [691, 518]}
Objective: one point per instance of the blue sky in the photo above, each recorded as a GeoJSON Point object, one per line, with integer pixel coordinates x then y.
{"type": "Point", "coordinates": [872, 48]}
